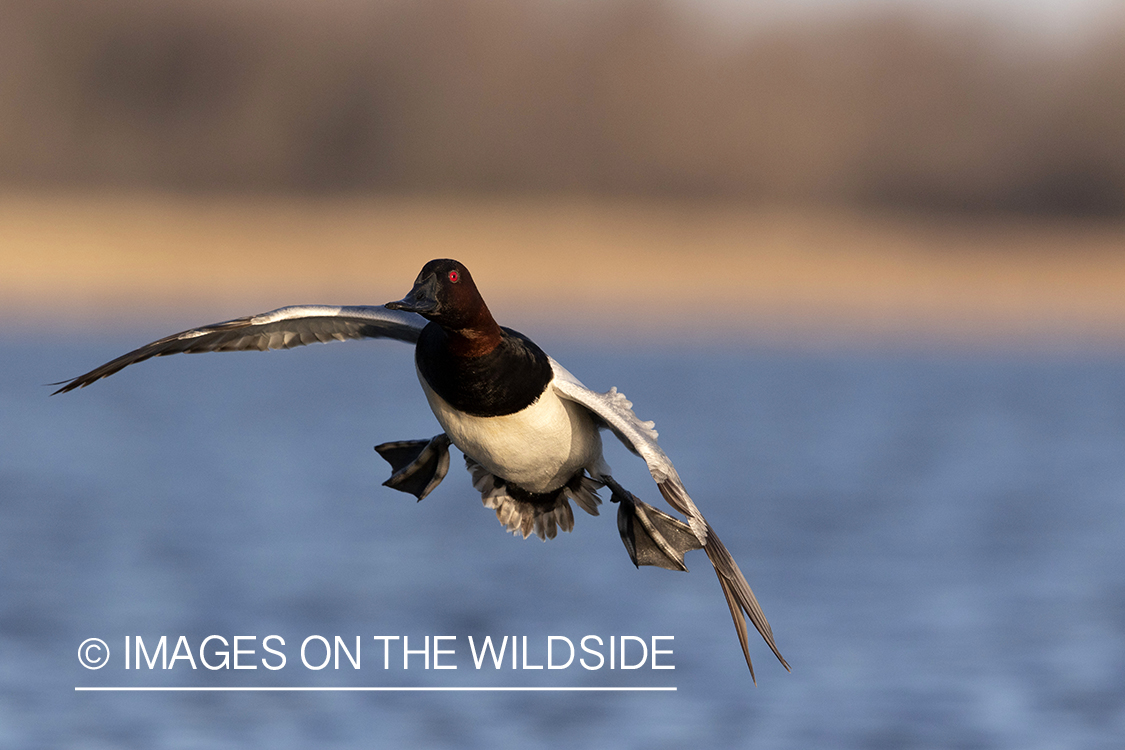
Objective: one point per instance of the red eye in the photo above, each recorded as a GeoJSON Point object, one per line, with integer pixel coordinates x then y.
{"type": "Point", "coordinates": [454, 276]}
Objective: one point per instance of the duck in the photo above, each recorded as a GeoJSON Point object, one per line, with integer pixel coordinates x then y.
{"type": "Point", "coordinates": [530, 431]}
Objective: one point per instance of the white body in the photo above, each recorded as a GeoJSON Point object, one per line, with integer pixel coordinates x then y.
{"type": "Point", "coordinates": [539, 448]}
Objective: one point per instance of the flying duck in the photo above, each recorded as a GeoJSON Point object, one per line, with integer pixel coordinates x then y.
{"type": "Point", "coordinates": [529, 430]}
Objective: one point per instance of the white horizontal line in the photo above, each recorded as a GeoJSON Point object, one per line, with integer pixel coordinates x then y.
{"type": "Point", "coordinates": [372, 689]}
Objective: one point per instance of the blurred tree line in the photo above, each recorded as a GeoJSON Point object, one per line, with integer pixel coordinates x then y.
{"type": "Point", "coordinates": [617, 96]}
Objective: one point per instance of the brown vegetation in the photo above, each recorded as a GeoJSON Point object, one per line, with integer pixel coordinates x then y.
{"type": "Point", "coordinates": [613, 97]}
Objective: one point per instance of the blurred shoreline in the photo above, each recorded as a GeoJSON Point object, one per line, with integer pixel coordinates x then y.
{"type": "Point", "coordinates": [877, 174]}
{"type": "Point", "coordinates": [654, 268]}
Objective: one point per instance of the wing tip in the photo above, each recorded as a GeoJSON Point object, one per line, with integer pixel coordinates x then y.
{"type": "Point", "coordinates": [67, 386]}
{"type": "Point", "coordinates": [741, 602]}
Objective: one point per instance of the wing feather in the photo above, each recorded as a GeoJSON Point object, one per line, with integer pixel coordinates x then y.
{"type": "Point", "coordinates": [615, 411]}
{"type": "Point", "coordinates": [283, 328]}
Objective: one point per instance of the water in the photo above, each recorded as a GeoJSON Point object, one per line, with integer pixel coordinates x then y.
{"type": "Point", "coordinates": [936, 539]}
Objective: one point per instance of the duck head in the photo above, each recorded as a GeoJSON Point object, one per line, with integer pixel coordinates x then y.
{"type": "Point", "coordinates": [445, 293]}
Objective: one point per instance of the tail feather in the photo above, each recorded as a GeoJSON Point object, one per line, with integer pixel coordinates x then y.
{"type": "Point", "coordinates": [523, 513]}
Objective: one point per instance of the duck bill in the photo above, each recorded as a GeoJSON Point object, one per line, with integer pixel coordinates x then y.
{"type": "Point", "coordinates": [422, 298]}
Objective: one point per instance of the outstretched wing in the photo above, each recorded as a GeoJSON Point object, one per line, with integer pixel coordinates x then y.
{"type": "Point", "coordinates": [615, 411]}
{"type": "Point", "coordinates": [283, 328]}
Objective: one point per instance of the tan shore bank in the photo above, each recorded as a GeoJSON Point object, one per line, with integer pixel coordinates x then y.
{"type": "Point", "coordinates": [658, 268]}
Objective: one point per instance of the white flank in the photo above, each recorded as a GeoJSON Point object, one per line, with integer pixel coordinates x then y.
{"type": "Point", "coordinates": [539, 448]}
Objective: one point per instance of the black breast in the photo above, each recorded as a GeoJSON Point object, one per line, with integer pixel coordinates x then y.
{"type": "Point", "coordinates": [507, 379]}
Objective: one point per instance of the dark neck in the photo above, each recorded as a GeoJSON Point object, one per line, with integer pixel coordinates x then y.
{"type": "Point", "coordinates": [480, 337]}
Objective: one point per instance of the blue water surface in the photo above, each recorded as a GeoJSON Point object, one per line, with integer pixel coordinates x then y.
{"type": "Point", "coordinates": [938, 540]}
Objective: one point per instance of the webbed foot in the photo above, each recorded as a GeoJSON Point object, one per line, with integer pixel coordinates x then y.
{"type": "Point", "coordinates": [418, 465]}
{"type": "Point", "coordinates": [651, 536]}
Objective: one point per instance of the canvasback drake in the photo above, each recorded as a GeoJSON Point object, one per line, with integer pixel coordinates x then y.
{"type": "Point", "coordinates": [529, 430]}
